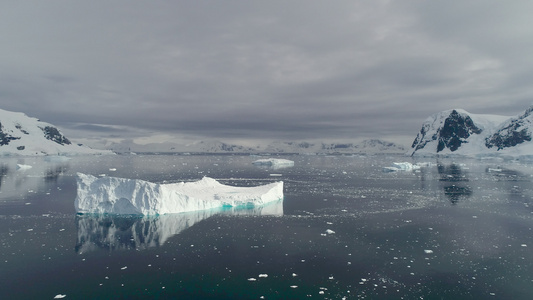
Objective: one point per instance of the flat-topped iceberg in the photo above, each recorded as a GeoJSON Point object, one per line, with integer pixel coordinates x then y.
{"type": "Point", "coordinates": [274, 162]}
{"type": "Point", "coordinates": [401, 166]}
{"type": "Point", "coordinates": [114, 195]}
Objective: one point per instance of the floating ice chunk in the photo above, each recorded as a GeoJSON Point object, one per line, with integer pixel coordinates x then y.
{"type": "Point", "coordinates": [263, 275]}
{"type": "Point", "coordinates": [59, 296]}
{"type": "Point", "coordinates": [23, 167]}
{"type": "Point", "coordinates": [130, 196]}
{"type": "Point", "coordinates": [428, 251]}
{"type": "Point", "coordinates": [275, 163]}
{"type": "Point", "coordinates": [401, 166]}
{"type": "Point", "coordinates": [329, 231]}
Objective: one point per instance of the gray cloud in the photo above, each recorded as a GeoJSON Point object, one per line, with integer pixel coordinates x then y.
{"type": "Point", "coordinates": [269, 69]}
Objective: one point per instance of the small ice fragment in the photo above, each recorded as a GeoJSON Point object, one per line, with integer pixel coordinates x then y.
{"type": "Point", "coordinates": [263, 275]}
{"type": "Point", "coordinates": [112, 169]}
{"type": "Point", "coordinates": [294, 286]}
{"type": "Point", "coordinates": [23, 167]}
{"type": "Point", "coordinates": [252, 279]}
{"type": "Point", "coordinates": [124, 268]}
{"type": "Point", "coordinates": [59, 296]}
{"type": "Point", "coordinates": [523, 245]}
{"type": "Point", "coordinates": [329, 231]}
{"type": "Point", "coordinates": [428, 251]}
{"type": "Point", "coordinates": [294, 274]}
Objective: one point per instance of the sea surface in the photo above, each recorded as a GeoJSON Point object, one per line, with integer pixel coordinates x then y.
{"type": "Point", "coordinates": [346, 229]}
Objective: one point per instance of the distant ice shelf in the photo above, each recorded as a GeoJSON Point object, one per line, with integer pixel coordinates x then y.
{"type": "Point", "coordinates": [114, 195]}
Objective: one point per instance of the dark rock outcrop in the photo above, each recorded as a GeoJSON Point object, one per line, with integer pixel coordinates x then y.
{"type": "Point", "coordinates": [512, 133]}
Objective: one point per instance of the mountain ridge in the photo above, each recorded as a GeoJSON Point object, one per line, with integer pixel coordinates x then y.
{"type": "Point", "coordinates": [458, 132]}
{"type": "Point", "coordinates": [302, 147]}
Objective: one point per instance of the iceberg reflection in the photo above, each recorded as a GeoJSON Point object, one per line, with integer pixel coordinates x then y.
{"type": "Point", "coordinates": [137, 232]}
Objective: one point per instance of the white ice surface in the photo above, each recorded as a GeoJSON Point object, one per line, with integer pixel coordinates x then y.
{"type": "Point", "coordinates": [23, 167]}
{"type": "Point", "coordinates": [274, 162]}
{"type": "Point", "coordinates": [401, 166]}
{"type": "Point", "coordinates": [132, 196]}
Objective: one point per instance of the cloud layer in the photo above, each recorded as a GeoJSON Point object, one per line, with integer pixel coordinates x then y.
{"type": "Point", "coordinates": [262, 69]}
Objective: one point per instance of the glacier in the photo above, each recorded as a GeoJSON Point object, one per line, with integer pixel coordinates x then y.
{"type": "Point", "coordinates": [113, 195]}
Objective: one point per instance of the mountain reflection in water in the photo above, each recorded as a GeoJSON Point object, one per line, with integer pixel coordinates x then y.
{"type": "Point", "coordinates": [454, 180]}
{"type": "Point", "coordinates": [125, 232]}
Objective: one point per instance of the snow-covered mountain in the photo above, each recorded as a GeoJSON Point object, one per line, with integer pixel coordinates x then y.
{"type": "Point", "coordinates": [458, 132]}
{"type": "Point", "coordinates": [371, 146]}
{"type": "Point", "coordinates": [23, 135]}
{"type": "Point", "coordinates": [367, 146]}
{"type": "Point", "coordinates": [513, 132]}
{"type": "Point", "coordinates": [170, 147]}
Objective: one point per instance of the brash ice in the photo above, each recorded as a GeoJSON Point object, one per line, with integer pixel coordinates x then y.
{"type": "Point", "coordinates": [114, 195]}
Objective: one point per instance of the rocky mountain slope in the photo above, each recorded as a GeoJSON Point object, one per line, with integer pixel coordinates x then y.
{"type": "Point", "coordinates": [460, 132]}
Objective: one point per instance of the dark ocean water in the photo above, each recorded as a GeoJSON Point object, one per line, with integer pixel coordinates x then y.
{"type": "Point", "coordinates": [455, 229]}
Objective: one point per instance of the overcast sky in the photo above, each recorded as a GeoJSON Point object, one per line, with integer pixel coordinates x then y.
{"type": "Point", "coordinates": [273, 70]}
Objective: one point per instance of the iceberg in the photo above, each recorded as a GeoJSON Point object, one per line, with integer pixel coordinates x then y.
{"type": "Point", "coordinates": [401, 166]}
{"type": "Point", "coordinates": [23, 167]}
{"type": "Point", "coordinates": [112, 195]}
{"type": "Point", "coordinates": [274, 162]}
